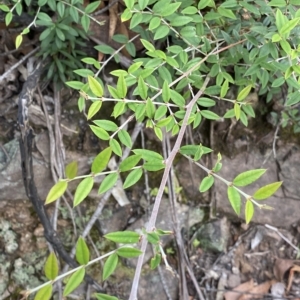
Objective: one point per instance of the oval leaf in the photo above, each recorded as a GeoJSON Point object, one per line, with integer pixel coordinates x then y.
{"type": "Point", "coordinates": [209, 115]}
{"type": "Point", "coordinates": [71, 169]}
{"type": "Point", "coordinates": [74, 281]}
{"type": "Point", "coordinates": [94, 108]}
{"type": "Point", "coordinates": [206, 183]}
{"type": "Point", "coordinates": [234, 199]}
{"type": "Point", "coordinates": [267, 190]}
{"type": "Point", "coordinates": [155, 261]}
{"type": "Point", "coordinates": [108, 182]}
{"type": "Point", "coordinates": [110, 265]}
{"type": "Point", "coordinates": [44, 293]}
{"type": "Point", "coordinates": [129, 252]}
{"type": "Point", "coordinates": [56, 191]}
{"type": "Point", "coordinates": [82, 252]}
{"type": "Point", "coordinates": [129, 162]}
{"type": "Point", "coordinates": [83, 189]}
{"type": "Point", "coordinates": [51, 267]}
{"type": "Point", "coordinates": [100, 162]}
{"type": "Point", "coordinates": [133, 177]}
{"type": "Point", "coordinates": [95, 86]}
{"type": "Point", "coordinates": [248, 177]}
{"type": "Point", "coordinates": [115, 146]}
{"type": "Point", "coordinates": [249, 211]}
{"type": "Point", "coordinates": [124, 237]}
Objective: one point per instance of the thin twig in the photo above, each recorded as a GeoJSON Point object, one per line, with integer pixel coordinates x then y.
{"type": "Point", "coordinates": [282, 236]}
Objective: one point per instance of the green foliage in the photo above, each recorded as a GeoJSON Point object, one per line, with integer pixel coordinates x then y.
{"type": "Point", "coordinates": [209, 46]}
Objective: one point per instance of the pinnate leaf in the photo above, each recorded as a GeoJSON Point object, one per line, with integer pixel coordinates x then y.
{"type": "Point", "coordinates": [74, 281]}
{"type": "Point", "coordinates": [234, 199]}
{"type": "Point", "coordinates": [124, 237]}
{"type": "Point", "coordinates": [248, 177]}
{"type": "Point", "coordinates": [56, 191]}
{"type": "Point", "coordinates": [267, 190]}
{"type": "Point", "coordinates": [110, 265]}
{"type": "Point", "coordinates": [83, 189]}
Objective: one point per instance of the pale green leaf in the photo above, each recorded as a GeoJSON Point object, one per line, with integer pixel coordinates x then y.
{"type": "Point", "coordinates": [133, 177]}
{"type": "Point", "coordinates": [94, 108]}
{"type": "Point", "coordinates": [129, 162]}
{"type": "Point", "coordinates": [71, 170]}
{"type": "Point", "coordinates": [74, 281]}
{"type": "Point", "coordinates": [95, 86]}
{"type": "Point", "coordinates": [110, 265]}
{"type": "Point", "coordinates": [51, 267]}
{"type": "Point", "coordinates": [123, 237]}
{"type": "Point", "coordinates": [56, 191]}
{"type": "Point", "coordinates": [44, 293]}
{"type": "Point", "coordinates": [83, 189]}
{"type": "Point", "coordinates": [82, 252]}
{"type": "Point", "coordinates": [267, 190]}
{"type": "Point", "coordinates": [108, 182]}
{"type": "Point", "coordinates": [206, 183]}
{"type": "Point", "coordinates": [129, 252]}
{"type": "Point", "coordinates": [249, 211]}
{"type": "Point", "coordinates": [234, 199]}
{"type": "Point", "coordinates": [100, 162]}
{"type": "Point", "coordinates": [248, 177]}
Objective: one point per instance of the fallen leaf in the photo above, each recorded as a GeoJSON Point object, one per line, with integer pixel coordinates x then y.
{"type": "Point", "coordinates": [258, 291]}
{"type": "Point", "coordinates": [244, 287]}
{"type": "Point", "coordinates": [281, 266]}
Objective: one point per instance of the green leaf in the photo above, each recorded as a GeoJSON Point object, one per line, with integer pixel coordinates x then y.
{"type": "Point", "coordinates": [206, 183]}
{"type": "Point", "coordinates": [209, 115]}
{"type": "Point", "coordinates": [115, 146]}
{"type": "Point", "coordinates": [100, 296]}
{"type": "Point", "coordinates": [150, 108]}
{"type": "Point", "coordinates": [154, 165]}
{"type": "Point", "coordinates": [129, 162]}
{"type": "Point", "coordinates": [161, 32]}
{"type": "Point", "coordinates": [51, 267]}
{"type": "Point", "coordinates": [105, 49]}
{"type": "Point", "coordinates": [74, 281]}
{"type": "Point", "coordinates": [237, 111]}
{"type": "Point", "coordinates": [19, 40]}
{"type": "Point", "coordinates": [71, 170]}
{"type": "Point", "coordinates": [148, 45]}
{"type": "Point", "coordinates": [181, 21]}
{"type": "Point", "coordinates": [94, 108]}
{"type": "Point", "coordinates": [92, 7]}
{"type": "Point", "coordinates": [155, 261]}
{"type": "Point", "coordinates": [204, 3]}
{"type": "Point", "coordinates": [132, 178]}
{"type": "Point", "coordinates": [77, 85]}
{"type": "Point", "coordinates": [85, 22]}
{"type": "Point", "coordinates": [100, 132]}
{"type": "Point", "coordinates": [166, 94]}
{"type": "Point", "coordinates": [148, 155]}
{"type": "Point", "coordinates": [244, 93]}
{"type": "Point", "coordinates": [108, 182]}
{"type": "Point", "coordinates": [125, 138]}
{"type": "Point", "coordinates": [160, 112]}
{"type": "Point", "coordinates": [8, 18]}
{"type": "Point", "coordinates": [106, 125]}
{"type": "Point", "coordinates": [234, 199]}
{"type": "Point", "coordinates": [226, 13]}
{"type": "Point", "coordinates": [129, 252]}
{"type": "Point", "coordinates": [248, 177]}
{"type": "Point", "coordinates": [249, 211]}
{"type": "Point", "coordinates": [95, 86]}
{"type": "Point", "coordinates": [153, 238]}
{"type": "Point", "coordinates": [142, 88]}
{"type": "Point", "coordinates": [123, 237]}
{"type": "Point", "coordinates": [224, 88]}
{"type": "Point", "coordinates": [154, 23]}
{"type": "Point", "coordinates": [44, 293]}
{"type": "Point", "coordinates": [119, 109]}
{"type": "Point", "coordinates": [289, 26]}
{"type": "Point", "coordinates": [122, 87]}
{"type": "Point", "coordinates": [206, 102]}
{"type": "Point", "coordinates": [82, 190]}
{"type": "Point", "coordinates": [56, 191]}
{"type": "Point", "coordinates": [100, 162]}
{"type": "Point", "coordinates": [177, 98]}
{"type": "Point", "coordinates": [82, 252]}
{"type": "Point", "coordinates": [267, 190]}
{"type": "Point", "coordinates": [110, 265]}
